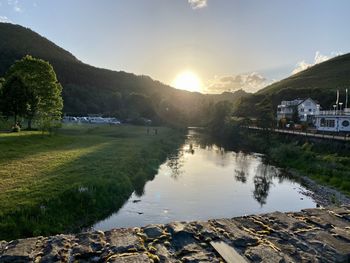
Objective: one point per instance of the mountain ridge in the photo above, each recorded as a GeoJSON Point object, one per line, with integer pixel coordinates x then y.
{"type": "Point", "coordinates": [319, 82]}
{"type": "Point", "coordinates": [91, 90]}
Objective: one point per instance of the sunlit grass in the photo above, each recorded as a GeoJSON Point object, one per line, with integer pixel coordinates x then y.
{"type": "Point", "coordinates": [48, 170]}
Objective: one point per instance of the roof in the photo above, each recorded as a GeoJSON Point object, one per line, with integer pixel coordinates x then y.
{"type": "Point", "coordinates": [316, 102]}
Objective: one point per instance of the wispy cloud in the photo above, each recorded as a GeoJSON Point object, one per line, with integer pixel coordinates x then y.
{"type": "Point", "coordinates": [16, 5]}
{"type": "Point", "coordinates": [4, 19]}
{"type": "Point", "coordinates": [196, 4]}
{"type": "Point", "coordinates": [319, 58]}
{"type": "Point", "coordinates": [250, 82]}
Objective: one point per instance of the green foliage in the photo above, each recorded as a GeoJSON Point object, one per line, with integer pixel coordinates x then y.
{"type": "Point", "coordinates": [41, 92]}
{"type": "Point", "coordinates": [295, 115]}
{"type": "Point", "coordinates": [2, 81]}
{"type": "Point", "coordinates": [219, 117]}
{"type": "Point", "coordinates": [14, 97]}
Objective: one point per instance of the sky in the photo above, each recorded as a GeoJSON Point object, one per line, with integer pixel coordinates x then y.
{"type": "Point", "coordinates": [226, 44]}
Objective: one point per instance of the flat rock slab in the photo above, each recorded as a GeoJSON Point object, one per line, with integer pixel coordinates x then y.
{"type": "Point", "coordinates": [122, 240]}
{"type": "Point", "coordinates": [312, 235]}
{"type": "Point", "coordinates": [137, 258]}
{"type": "Point", "coordinates": [228, 253]}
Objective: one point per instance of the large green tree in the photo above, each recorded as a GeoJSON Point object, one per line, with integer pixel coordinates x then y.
{"type": "Point", "coordinates": [44, 100]}
{"type": "Point", "coordinates": [14, 97]}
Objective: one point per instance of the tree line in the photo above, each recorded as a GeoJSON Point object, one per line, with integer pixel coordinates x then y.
{"type": "Point", "coordinates": [30, 90]}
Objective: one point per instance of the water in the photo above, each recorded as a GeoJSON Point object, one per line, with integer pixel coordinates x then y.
{"type": "Point", "coordinates": [203, 182]}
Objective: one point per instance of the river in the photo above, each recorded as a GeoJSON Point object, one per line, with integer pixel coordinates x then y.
{"type": "Point", "coordinates": [203, 181]}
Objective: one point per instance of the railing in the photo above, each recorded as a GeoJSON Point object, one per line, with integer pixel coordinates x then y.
{"type": "Point", "coordinates": [310, 134]}
{"type": "Point", "coordinates": [335, 112]}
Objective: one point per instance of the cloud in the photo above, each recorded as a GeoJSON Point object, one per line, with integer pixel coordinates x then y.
{"type": "Point", "coordinates": [197, 4]}
{"type": "Point", "coordinates": [16, 5]}
{"type": "Point", "coordinates": [250, 82]}
{"type": "Point", "coordinates": [319, 58]}
{"type": "Point", "coordinates": [4, 19]}
{"type": "Point", "coordinates": [17, 9]}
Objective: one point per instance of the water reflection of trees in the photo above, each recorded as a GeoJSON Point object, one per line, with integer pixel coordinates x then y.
{"type": "Point", "coordinates": [240, 176]}
{"type": "Point", "coordinates": [175, 163]}
{"type": "Point", "coordinates": [264, 173]}
{"type": "Point", "coordinates": [242, 163]}
{"type": "Point", "coordinates": [263, 177]}
{"type": "Point", "coordinates": [263, 181]}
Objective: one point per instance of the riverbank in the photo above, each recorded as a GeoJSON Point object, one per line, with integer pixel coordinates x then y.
{"type": "Point", "coordinates": [325, 162]}
{"type": "Point", "coordinates": [68, 181]}
{"type": "Point", "coordinates": [311, 235]}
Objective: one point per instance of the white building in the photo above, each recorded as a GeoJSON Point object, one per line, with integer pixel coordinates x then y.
{"type": "Point", "coordinates": [333, 121]}
{"type": "Point", "coordinates": [307, 109]}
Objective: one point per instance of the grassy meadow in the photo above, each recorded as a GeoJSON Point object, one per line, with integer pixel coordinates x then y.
{"type": "Point", "coordinates": [60, 183]}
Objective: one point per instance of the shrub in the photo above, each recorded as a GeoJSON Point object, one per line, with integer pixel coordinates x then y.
{"type": "Point", "coordinates": [335, 181]}
{"type": "Point", "coordinates": [16, 128]}
{"type": "Point", "coordinates": [345, 185]}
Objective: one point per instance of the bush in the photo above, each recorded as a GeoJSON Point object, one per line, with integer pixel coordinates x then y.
{"type": "Point", "coordinates": [345, 185]}
{"type": "Point", "coordinates": [285, 153]}
{"type": "Point", "coordinates": [335, 181]}
{"type": "Point", "coordinates": [16, 128]}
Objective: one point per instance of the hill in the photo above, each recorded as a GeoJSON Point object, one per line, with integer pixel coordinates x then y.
{"type": "Point", "coordinates": [91, 90]}
{"type": "Point", "coordinates": [319, 82]}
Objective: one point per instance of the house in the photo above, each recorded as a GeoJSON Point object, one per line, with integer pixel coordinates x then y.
{"type": "Point", "coordinates": [306, 109]}
{"type": "Point", "coordinates": [333, 121]}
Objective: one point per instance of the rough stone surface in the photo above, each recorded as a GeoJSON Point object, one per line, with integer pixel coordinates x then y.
{"type": "Point", "coordinates": [312, 235]}
{"type": "Point", "coordinates": [136, 258]}
{"type": "Point", "coordinates": [153, 231]}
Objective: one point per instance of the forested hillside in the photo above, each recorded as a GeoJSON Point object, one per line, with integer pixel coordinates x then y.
{"type": "Point", "coordinates": [319, 82]}
{"type": "Point", "coordinates": [91, 90]}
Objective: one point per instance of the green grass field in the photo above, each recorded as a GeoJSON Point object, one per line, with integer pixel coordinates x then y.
{"type": "Point", "coordinates": [60, 183]}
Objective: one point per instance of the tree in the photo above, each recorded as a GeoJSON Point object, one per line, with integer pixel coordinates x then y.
{"type": "Point", "coordinates": [44, 91]}
{"type": "Point", "coordinates": [14, 97]}
{"type": "Point", "coordinates": [295, 115]}
{"type": "Point", "coordinates": [220, 115]}
{"type": "Point", "coordinates": [140, 105]}
{"type": "Point", "coordinates": [2, 81]}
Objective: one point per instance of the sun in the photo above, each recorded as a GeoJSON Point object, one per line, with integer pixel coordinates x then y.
{"type": "Point", "coordinates": [187, 80]}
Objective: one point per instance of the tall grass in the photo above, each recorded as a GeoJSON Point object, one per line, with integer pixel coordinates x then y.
{"type": "Point", "coordinates": [65, 182]}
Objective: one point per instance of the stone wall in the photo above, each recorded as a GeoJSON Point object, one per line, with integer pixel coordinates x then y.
{"type": "Point", "coordinates": [312, 235]}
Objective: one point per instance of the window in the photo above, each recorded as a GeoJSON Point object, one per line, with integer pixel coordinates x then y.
{"type": "Point", "coordinates": [345, 123]}
{"type": "Point", "coordinates": [310, 110]}
{"type": "Point", "coordinates": [302, 110]}
{"type": "Point", "coordinates": [327, 123]}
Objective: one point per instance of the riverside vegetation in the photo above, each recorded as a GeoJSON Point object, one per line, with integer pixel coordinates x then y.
{"type": "Point", "coordinates": [326, 163]}
{"type": "Point", "coordinates": [67, 181]}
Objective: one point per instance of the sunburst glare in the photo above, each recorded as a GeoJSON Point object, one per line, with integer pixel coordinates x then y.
{"type": "Point", "coordinates": [188, 80]}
